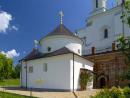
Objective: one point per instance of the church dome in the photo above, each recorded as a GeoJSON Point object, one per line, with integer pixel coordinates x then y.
{"type": "Point", "coordinates": [61, 37]}
{"type": "Point", "coordinates": [61, 30]}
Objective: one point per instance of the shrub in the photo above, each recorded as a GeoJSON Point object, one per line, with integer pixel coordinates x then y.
{"type": "Point", "coordinates": [103, 94]}
{"type": "Point", "coordinates": [116, 93]}
{"type": "Point", "coordinates": [113, 93]}
{"type": "Point", "coordinates": [84, 78]}
{"type": "Point", "coordinates": [126, 92]}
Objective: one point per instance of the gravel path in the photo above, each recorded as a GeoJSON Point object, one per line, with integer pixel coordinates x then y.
{"type": "Point", "coordinates": [45, 94]}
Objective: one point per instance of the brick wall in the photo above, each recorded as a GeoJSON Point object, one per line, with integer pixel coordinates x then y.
{"type": "Point", "coordinates": [110, 66]}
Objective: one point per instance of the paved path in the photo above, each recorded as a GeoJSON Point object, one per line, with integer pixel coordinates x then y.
{"type": "Point", "coordinates": [46, 94]}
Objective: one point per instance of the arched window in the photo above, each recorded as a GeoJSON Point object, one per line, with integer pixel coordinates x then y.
{"type": "Point", "coordinates": [106, 33]}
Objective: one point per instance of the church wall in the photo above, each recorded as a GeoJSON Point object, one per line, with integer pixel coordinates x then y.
{"type": "Point", "coordinates": [56, 77]}
{"type": "Point", "coordinates": [78, 64]}
{"type": "Point", "coordinates": [57, 42]}
{"type": "Point", "coordinates": [94, 33]}
{"type": "Point", "coordinates": [110, 66]}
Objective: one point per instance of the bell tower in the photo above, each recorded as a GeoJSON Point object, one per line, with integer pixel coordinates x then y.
{"type": "Point", "coordinates": [99, 5]}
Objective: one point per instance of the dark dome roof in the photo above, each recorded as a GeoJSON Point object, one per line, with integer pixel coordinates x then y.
{"type": "Point", "coordinates": [61, 30]}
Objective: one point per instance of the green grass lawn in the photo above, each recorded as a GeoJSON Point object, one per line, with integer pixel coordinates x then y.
{"type": "Point", "coordinates": [10, 82]}
{"type": "Point", "coordinates": [9, 95]}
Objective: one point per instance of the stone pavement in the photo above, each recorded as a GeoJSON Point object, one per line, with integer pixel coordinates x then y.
{"type": "Point", "coordinates": [49, 94]}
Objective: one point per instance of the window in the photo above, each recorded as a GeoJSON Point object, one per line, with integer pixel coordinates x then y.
{"type": "Point", "coordinates": [49, 49]}
{"type": "Point", "coordinates": [106, 33]}
{"type": "Point", "coordinates": [45, 67]}
{"type": "Point", "coordinates": [78, 50]}
{"type": "Point", "coordinates": [96, 3]}
{"type": "Point", "coordinates": [31, 69]}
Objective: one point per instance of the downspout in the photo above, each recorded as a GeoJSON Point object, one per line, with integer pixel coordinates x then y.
{"type": "Point", "coordinates": [74, 78]}
{"type": "Point", "coordinates": [73, 72]}
{"type": "Point", "coordinates": [26, 73]}
{"type": "Point", "coordinates": [21, 72]}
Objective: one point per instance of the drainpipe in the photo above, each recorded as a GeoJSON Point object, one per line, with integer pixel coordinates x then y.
{"type": "Point", "coordinates": [21, 72]}
{"type": "Point", "coordinates": [73, 72]}
{"type": "Point", "coordinates": [74, 78]}
{"type": "Point", "coordinates": [26, 73]}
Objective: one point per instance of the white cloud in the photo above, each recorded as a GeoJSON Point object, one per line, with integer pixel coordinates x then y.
{"type": "Point", "coordinates": [5, 19]}
{"type": "Point", "coordinates": [11, 54]}
{"type": "Point", "coordinates": [15, 28]}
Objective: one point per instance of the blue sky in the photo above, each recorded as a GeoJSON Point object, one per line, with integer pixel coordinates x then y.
{"type": "Point", "coordinates": [33, 19]}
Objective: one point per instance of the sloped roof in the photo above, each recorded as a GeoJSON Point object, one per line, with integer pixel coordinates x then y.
{"type": "Point", "coordinates": [61, 30]}
{"type": "Point", "coordinates": [35, 54]}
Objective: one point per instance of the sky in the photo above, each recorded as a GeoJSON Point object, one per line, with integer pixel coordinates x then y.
{"type": "Point", "coordinates": [23, 21]}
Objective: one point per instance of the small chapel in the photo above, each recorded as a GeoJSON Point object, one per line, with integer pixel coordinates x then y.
{"type": "Point", "coordinates": [63, 55]}
{"type": "Point", "coordinates": [57, 63]}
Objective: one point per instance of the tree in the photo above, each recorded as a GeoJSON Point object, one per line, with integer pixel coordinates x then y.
{"type": "Point", "coordinates": [124, 46]}
{"type": "Point", "coordinates": [6, 66]}
{"type": "Point", "coordinates": [124, 43]}
{"type": "Point", "coordinates": [127, 11]}
{"type": "Point", "coordinates": [17, 71]}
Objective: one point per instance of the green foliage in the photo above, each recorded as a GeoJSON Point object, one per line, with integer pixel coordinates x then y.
{"type": "Point", "coordinates": [6, 66]}
{"type": "Point", "coordinates": [127, 4]}
{"type": "Point", "coordinates": [84, 79]}
{"type": "Point", "coordinates": [105, 93]}
{"type": "Point", "coordinates": [9, 95]}
{"type": "Point", "coordinates": [16, 72]}
{"type": "Point", "coordinates": [126, 92]}
{"type": "Point", "coordinates": [7, 69]}
{"type": "Point", "coordinates": [116, 93]}
{"type": "Point", "coordinates": [124, 46]}
{"type": "Point", "coordinates": [113, 93]}
{"type": "Point", "coordinates": [10, 82]}
{"type": "Point", "coordinates": [126, 13]}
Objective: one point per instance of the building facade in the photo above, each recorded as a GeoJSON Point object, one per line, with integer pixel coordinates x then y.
{"type": "Point", "coordinates": [103, 27]}
{"type": "Point", "coordinates": [56, 64]}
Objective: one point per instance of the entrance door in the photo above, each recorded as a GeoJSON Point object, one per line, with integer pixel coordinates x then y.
{"type": "Point", "coordinates": [102, 82]}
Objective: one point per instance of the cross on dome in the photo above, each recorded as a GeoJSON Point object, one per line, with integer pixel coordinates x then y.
{"type": "Point", "coordinates": [61, 17]}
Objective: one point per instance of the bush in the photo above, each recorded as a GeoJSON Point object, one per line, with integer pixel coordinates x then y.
{"type": "Point", "coordinates": [126, 92]}
{"type": "Point", "coordinates": [84, 78]}
{"type": "Point", "coordinates": [116, 93]}
{"type": "Point", "coordinates": [113, 93]}
{"type": "Point", "coordinates": [103, 94]}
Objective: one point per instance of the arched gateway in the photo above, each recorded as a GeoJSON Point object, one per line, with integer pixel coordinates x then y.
{"type": "Point", "coordinates": [102, 81]}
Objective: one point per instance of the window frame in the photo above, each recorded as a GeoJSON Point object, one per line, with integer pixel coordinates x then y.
{"type": "Point", "coordinates": [30, 69]}
{"type": "Point", "coordinates": [105, 33]}
{"type": "Point", "coordinates": [45, 67]}
{"type": "Point", "coordinates": [49, 49]}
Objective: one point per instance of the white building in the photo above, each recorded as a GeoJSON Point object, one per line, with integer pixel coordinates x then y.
{"type": "Point", "coordinates": [103, 26]}
{"type": "Point", "coordinates": [57, 64]}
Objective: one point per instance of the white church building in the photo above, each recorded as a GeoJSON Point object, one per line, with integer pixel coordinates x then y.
{"type": "Point", "coordinates": [103, 26]}
{"type": "Point", "coordinates": [58, 61]}
{"type": "Point", "coordinates": [57, 64]}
